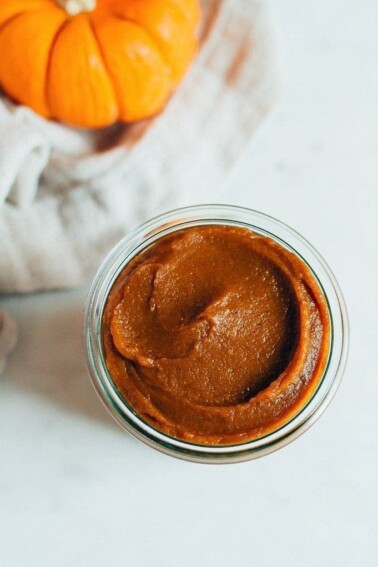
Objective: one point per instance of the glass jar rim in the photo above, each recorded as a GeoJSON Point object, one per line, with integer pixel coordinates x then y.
{"type": "Point", "coordinates": [200, 215]}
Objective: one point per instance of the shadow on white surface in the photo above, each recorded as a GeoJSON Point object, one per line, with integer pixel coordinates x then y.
{"type": "Point", "coordinates": [47, 367]}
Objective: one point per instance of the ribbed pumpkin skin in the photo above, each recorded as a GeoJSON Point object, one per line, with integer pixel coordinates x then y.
{"type": "Point", "coordinates": [120, 61]}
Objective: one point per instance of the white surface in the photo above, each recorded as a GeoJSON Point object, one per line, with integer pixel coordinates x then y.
{"type": "Point", "coordinates": [76, 490]}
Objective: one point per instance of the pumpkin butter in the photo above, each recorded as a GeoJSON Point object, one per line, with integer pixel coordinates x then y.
{"type": "Point", "coordinates": [216, 335]}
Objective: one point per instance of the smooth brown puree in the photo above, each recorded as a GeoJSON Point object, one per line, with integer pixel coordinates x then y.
{"type": "Point", "coordinates": [216, 334]}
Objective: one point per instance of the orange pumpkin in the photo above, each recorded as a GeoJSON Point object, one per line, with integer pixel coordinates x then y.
{"type": "Point", "coordinates": [92, 62]}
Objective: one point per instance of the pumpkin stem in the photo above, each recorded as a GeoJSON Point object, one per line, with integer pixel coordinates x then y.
{"type": "Point", "coordinates": [73, 7]}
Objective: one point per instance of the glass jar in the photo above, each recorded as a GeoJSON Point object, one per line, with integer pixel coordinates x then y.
{"type": "Point", "coordinates": [133, 244]}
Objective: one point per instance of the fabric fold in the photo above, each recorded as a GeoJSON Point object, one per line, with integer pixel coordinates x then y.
{"type": "Point", "coordinates": [8, 337]}
{"type": "Point", "coordinates": [67, 195]}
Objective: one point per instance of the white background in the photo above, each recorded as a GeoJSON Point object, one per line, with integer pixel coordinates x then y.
{"type": "Point", "coordinates": [76, 490]}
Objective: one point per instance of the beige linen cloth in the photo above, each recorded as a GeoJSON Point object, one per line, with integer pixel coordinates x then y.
{"type": "Point", "coordinates": [67, 195]}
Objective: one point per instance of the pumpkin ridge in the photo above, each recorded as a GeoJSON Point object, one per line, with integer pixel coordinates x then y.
{"type": "Point", "coordinates": [98, 43]}
{"type": "Point", "coordinates": [10, 20]}
{"type": "Point", "coordinates": [3, 26]}
{"type": "Point", "coordinates": [133, 80]}
{"type": "Point", "coordinates": [49, 63]}
{"type": "Point", "coordinates": [165, 51]}
{"type": "Point", "coordinates": [149, 34]}
{"type": "Point", "coordinates": [22, 12]}
{"type": "Point", "coordinates": [80, 92]}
